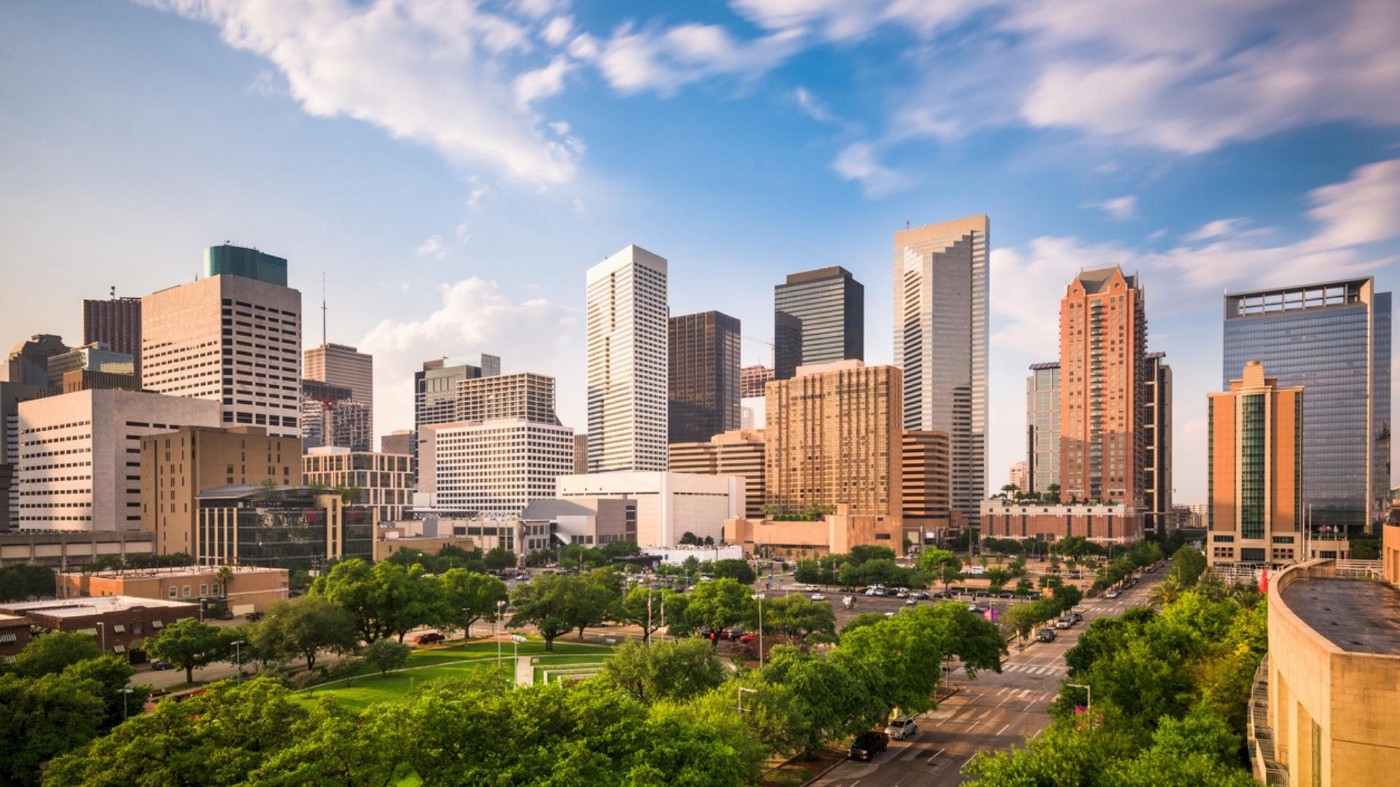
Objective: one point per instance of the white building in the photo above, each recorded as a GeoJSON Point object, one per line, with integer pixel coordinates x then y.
{"type": "Point", "coordinates": [668, 504]}
{"type": "Point", "coordinates": [232, 340]}
{"type": "Point", "coordinates": [492, 467]}
{"type": "Point", "coordinates": [80, 455]}
{"type": "Point", "coordinates": [627, 362]}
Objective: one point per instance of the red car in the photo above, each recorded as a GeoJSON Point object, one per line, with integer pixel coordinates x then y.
{"type": "Point", "coordinates": [747, 638]}
{"type": "Point", "coordinates": [429, 638]}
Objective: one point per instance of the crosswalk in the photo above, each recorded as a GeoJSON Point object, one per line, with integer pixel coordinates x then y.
{"type": "Point", "coordinates": [1029, 669]}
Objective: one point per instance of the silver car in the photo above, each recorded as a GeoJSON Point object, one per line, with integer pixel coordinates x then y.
{"type": "Point", "coordinates": [902, 728]}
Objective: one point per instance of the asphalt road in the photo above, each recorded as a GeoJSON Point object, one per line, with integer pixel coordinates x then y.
{"type": "Point", "coordinates": [990, 712]}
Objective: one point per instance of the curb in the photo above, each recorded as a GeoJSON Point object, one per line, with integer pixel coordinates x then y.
{"type": "Point", "coordinates": [828, 769]}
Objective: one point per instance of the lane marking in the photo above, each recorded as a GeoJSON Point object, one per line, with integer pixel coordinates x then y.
{"type": "Point", "coordinates": [1003, 729]}
{"type": "Point", "coordinates": [935, 756]}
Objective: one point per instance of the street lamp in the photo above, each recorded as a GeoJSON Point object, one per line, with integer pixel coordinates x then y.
{"type": "Point", "coordinates": [741, 691]}
{"type": "Point", "coordinates": [517, 639]}
{"type": "Point", "coordinates": [500, 608]}
{"type": "Point", "coordinates": [759, 596]}
{"type": "Point", "coordinates": [238, 659]}
{"type": "Point", "coordinates": [125, 693]}
{"type": "Point", "coordinates": [1089, 702]}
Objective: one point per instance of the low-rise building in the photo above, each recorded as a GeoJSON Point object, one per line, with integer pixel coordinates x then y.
{"type": "Point", "coordinates": [282, 527]}
{"type": "Point", "coordinates": [581, 520]}
{"type": "Point", "coordinates": [432, 532]}
{"type": "Point", "coordinates": [118, 624]}
{"type": "Point", "coordinates": [1116, 523]}
{"type": "Point", "coordinates": [244, 588]}
{"type": "Point", "coordinates": [65, 549]}
{"type": "Point", "coordinates": [834, 533]}
{"type": "Point", "coordinates": [14, 635]}
{"type": "Point", "coordinates": [669, 505]}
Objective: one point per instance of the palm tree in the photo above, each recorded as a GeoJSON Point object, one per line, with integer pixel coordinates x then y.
{"type": "Point", "coordinates": [224, 574]}
{"type": "Point", "coordinates": [1165, 592]}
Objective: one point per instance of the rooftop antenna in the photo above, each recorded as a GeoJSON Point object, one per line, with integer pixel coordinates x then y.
{"type": "Point", "coordinates": [323, 308]}
{"type": "Point", "coordinates": [114, 292]}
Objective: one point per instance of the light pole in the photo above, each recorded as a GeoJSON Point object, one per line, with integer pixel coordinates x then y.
{"type": "Point", "coordinates": [125, 693]}
{"type": "Point", "coordinates": [1089, 702]}
{"type": "Point", "coordinates": [516, 639]}
{"type": "Point", "coordinates": [500, 608]}
{"type": "Point", "coordinates": [102, 635]}
{"type": "Point", "coordinates": [759, 597]}
{"type": "Point", "coordinates": [741, 691]}
{"type": "Point", "coordinates": [238, 659]}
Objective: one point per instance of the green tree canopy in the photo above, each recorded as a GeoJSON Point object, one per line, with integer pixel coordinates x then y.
{"type": "Point", "coordinates": [189, 644]}
{"type": "Point", "coordinates": [719, 604]}
{"type": "Point", "coordinates": [303, 627]}
{"type": "Point", "coordinates": [51, 653]}
{"type": "Point", "coordinates": [385, 655]}
{"type": "Point", "coordinates": [467, 596]}
{"type": "Point", "coordinates": [675, 670]}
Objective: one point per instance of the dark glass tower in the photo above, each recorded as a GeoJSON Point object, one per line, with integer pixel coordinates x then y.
{"type": "Point", "coordinates": [818, 317]}
{"type": "Point", "coordinates": [1334, 340]}
{"type": "Point", "coordinates": [248, 263]}
{"type": "Point", "coordinates": [703, 391]}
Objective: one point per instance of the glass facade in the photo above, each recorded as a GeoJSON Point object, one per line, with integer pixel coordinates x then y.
{"type": "Point", "coordinates": [285, 531]}
{"type": "Point", "coordinates": [248, 263]}
{"type": "Point", "coordinates": [1043, 426]}
{"type": "Point", "coordinates": [1252, 432]}
{"type": "Point", "coordinates": [1334, 340]}
{"type": "Point", "coordinates": [819, 317]}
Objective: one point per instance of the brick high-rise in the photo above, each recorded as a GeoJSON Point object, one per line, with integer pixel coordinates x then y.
{"type": "Point", "coordinates": [117, 324]}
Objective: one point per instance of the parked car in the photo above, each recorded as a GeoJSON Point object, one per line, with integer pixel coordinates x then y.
{"type": "Point", "coordinates": [747, 638]}
{"type": "Point", "coordinates": [911, 602]}
{"type": "Point", "coordinates": [161, 665]}
{"type": "Point", "coordinates": [1111, 594]}
{"type": "Point", "coordinates": [222, 614]}
{"type": "Point", "coordinates": [977, 571]}
{"type": "Point", "coordinates": [902, 728]}
{"type": "Point", "coordinates": [429, 637]}
{"type": "Point", "coordinates": [253, 617]}
{"type": "Point", "coordinates": [922, 595]}
{"type": "Point", "coordinates": [1078, 616]}
{"type": "Point", "coordinates": [1046, 635]}
{"type": "Point", "coordinates": [818, 597]}
{"type": "Point", "coordinates": [1064, 623]}
{"type": "Point", "coordinates": [868, 744]}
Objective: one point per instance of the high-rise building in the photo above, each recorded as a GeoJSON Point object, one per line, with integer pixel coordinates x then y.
{"type": "Point", "coordinates": [1103, 388]}
{"type": "Point", "coordinates": [28, 362]}
{"type": "Point", "coordinates": [399, 441]}
{"type": "Point", "coordinates": [627, 362]}
{"type": "Point", "coordinates": [228, 339]}
{"type": "Point", "coordinates": [818, 317]}
{"type": "Point", "coordinates": [11, 394]}
{"type": "Point", "coordinates": [249, 263]}
{"type": "Point", "coordinates": [1017, 476]}
{"type": "Point", "coordinates": [380, 481]}
{"type": "Point", "coordinates": [520, 395]}
{"type": "Point", "coordinates": [435, 390]}
{"type": "Point", "coordinates": [752, 380]}
{"type": "Point", "coordinates": [1334, 340]}
{"type": "Point", "coordinates": [924, 484]}
{"type": "Point", "coordinates": [176, 466]}
{"type": "Point", "coordinates": [493, 467]}
{"type": "Point", "coordinates": [96, 357]}
{"type": "Point", "coordinates": [1157, 465]}
{"type": "Point", "coordinates": [580, 454]}
{"type": "Point", "coordinates": [117, 324]}
{"type": "Point", "coordinates": [735, 453]}
{"type": "Point", "coordinates": [834, 438]}
{"type": "Point", "coordinates": [79, 455]}
{"type": "Point", "coordinates": [1255, 488]}
{"type": "Point", "coordinates": [345, 366]}
{"type": "Point", "coordinates": [1043, 427]}
{"type": "Point", "coordinates": [704, 376]}
{"type": "Point", "coordinates": [940, 342]}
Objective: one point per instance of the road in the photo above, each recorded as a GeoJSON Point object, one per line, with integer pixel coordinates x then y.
{"type": "Point", "coordinates": [988, 713]}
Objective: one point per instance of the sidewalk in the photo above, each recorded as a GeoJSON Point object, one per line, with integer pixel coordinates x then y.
{"type": "Point", "coordinates": [524, 671]}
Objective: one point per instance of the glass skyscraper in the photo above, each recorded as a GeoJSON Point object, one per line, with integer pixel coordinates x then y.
{"type": "Point", "coordinates": [818, 317]}
{"type": "Point", "coordinates": [1333, 339]}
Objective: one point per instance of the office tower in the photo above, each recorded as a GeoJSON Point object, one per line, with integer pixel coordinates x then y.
{"type": "Point", "coordinates": [79, 455]}
{"type": "Point", "coordinates": [232, 260]}
{"type": "Point", "coordinates": [493, 467]}
{"type": "Point", "coordinates": [1103, 388]}
{"type": "Point", "coordinates": [924, 469]}
{"type": "Point", "coordinates": [521, 395]}
{"type": "Point", "coordinates": [736, 453]}
{"type": "Point", "coordinates": [228, 339]}
{"type": "Point", "coordinates": [580, 454]}
{"type": "Point", "coordinates": [1017, 476]}
{"type": "Point", "coordinates": [1334, 340]}
{"type": "Point", "coordinates": [399, 441]}
{"type": "Point", "coordinates": [704, 376]}
{"type": "Point", "coordinates": [627, 362]}
{"type": "Point", "coordinates": [940, 342]}
{"type": "Point", "coordinates": [1043, 427]}
{"type": "Point", "coordinates": [818, 317]}
{"type": "Point", "coordinates": [28, 362]}
{"type": "Point", "coordinates": [117, 324]}
{"type": "Point", "coordinates": [752, 380]}
{"type": "Point", "coordinates": [381, 481]}
{"type": "Point", "coordinates": [435, 390]}
{"type": "Point", "coordinates": [834, 437]}
{"type": "Point", "coordinates": [318, 401]}
{"type": "Point", "coordinates": [96, 357]}
{"type": "Point", "coordinates": [344, 366]}
{"type": "Point", "coordinates": [297, 528]}
{"type": "Point", "coordinates": [1254, 486]}
{"type": "Point", "coordinates": [752, 404]}
{"type": "Point", "coordinates": [11, 394]}
{"type": "Point", "coordinates": [1157, 464]}
{"type": "Point", "coordinates": [177, 465]}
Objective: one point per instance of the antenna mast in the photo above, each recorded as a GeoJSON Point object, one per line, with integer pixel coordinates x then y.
{"type": "Point", "coordinates": [323, 308]}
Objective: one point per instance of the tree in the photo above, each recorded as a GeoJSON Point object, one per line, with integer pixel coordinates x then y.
{"type": "Point", "coordinates": [674, 670]}
{"type": "Point", "coordinates": [1187, 566]}
{"type": "Point", "coordinates": [556, 604]}
{"type": "Point", "coordinates": [862, 553]}
{"type": "Point", "coordinates": [623, 548]}
{"type": "Point", "coordinates": [110, 674]}
{"type": "Point", "coordinates": [466, 597]}
{"type": "Point", "coordinates": [499, 558]}
{"type": "Point", "coordinates": [385, 655]}
{"type": "Point", "coordinates": [719, 604]}
{"type": "Point", "coordinates": [385, 599]}
{"type": "Point", "coordinates": [188, 644]}
{"type": "Point", "coordinates": [304, 627]}
{"type": "Point", "coordinates": [51, 653]}
{"type": "Point", "coordinates": [997, 578]}
{"type": "Point", "coordinates": [24, 581]}
{"type": "Point", "coordinates": [798, 618]}
{"type": "Point", "coordinates": [737, 570]}
{"type": "Point", "coordinates": [942, 564]}
{"type": "Point", "coordinates": [643, 606]}
{"type": "Point", "coordinates": [826, 697]}
{"type": "Point", "coordinates": [43, 718]}
{"type": "Point", "coordinates": [814, 572]}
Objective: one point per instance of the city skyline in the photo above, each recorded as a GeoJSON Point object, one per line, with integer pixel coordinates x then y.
{"type": "Point", "coordinates": [434, 250]}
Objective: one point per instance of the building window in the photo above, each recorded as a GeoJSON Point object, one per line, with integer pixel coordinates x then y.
{"type": "Point", "coordinates": [174, 592]}
{"type": "Point", "coordinates": [187, 591]}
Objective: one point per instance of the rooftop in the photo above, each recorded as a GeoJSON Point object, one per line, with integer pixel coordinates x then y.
{"type": "Point", "coordinates": [99, 605]}
{"type": "Point", "coordinates": [174, 571]}
{"type": "Point", "coordinates": [1357, 616]}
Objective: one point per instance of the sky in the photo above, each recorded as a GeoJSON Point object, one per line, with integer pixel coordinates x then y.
{"type": "Point", "coordinates": [452, 168]}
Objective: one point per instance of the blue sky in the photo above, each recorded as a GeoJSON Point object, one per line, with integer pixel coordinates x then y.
{"type": "Point", "coordinates": [454, 167]}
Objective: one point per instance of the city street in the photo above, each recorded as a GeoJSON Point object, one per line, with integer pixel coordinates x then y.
{"type": "Point", "coordinates": [991, 712]}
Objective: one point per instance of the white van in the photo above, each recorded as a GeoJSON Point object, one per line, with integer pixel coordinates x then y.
{"type": "Point", "coordinates": [902, 728]}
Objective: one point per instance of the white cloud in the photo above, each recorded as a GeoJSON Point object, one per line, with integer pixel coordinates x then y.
{"type": "Point", "coordinates": [1364, 209]}
{"type": "Point", "coordinates": [843, 20]}
{"type": "Point", "coordinates": [663, 60]}
{"type": "Point", "coordinates": [814, 108]}
{"type": "Point", "coordinates": [476, 195]}
{"type": "Point", "coordinates": [473, 317]}
{"type": "Point", "coordinates": [433, 249]}
{"type": "Point", "coordinates": [1118, 208]}
{"type": "Point", "coordinates": [857, 162]}
{"type": "Point", "coordinates": [556, 31]}
{"type": "Point", "coordinates": [439, 74]}
{"type": "Point", "coordinates": [541, 83]}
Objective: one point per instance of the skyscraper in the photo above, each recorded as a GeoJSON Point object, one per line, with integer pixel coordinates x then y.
{"type": "Point", "coordinates": [627, 362]}
{"type": "Point", "coordinates": [1333, 339]}
{"type": "Point", "coordinates": [818, 317]}
{"type": "Point", "coordinates": [1043, 426]}
{"type": "Point", "coordinates": [117, 324]}
{"type": "Point", "coordinates": [435, 390]}
{"type": "Point", "coordinates": [1255, 484]}
{"type": "Point", "coordinates": [940, 341]}
{"type": "Point", "coordinates": [28, 362]}
{"type": "Point", "coordinates": [704, 376]}
{"type": "Point", "coordinates": [229, 339]}
{"type": "Point", "coordinates": [1103, 388]}
{"type": "Point", "coordinates": [1157, 464]}
{"type": "Point", "coordinates": [345, 366]}
{"type": "Point", "coordinates": [248, 263]}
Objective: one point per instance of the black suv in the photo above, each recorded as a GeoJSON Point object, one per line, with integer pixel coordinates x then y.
{"type": "Point", "coordinates": [868, 744]}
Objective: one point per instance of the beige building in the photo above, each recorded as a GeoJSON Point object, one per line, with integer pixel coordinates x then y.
{"type": "Point", "coordinates": [834, 534]}
{"type": "Point", "coordinates": [231, 340]}
{"type": "Point", "coordinates": [669, 505]}
{"type": "Point", "coordinates": [397, 442]}
{"type": "Point", "coordinates": [79, 455]}
{"type": "Point", "coordinates": [248, 589]}
{"type": "Point", "coordinates": [924, 482]}
{"type": "Point", "coordinates": [382, 481]}
{"type": "Point", "coordinates": [834, 437]}
{"type": "Point", "coordinates": [176, 467]}
{"type": "Point", "coordinates": [739, 452]}
{"type": "Point", "coordinates": [580, 453]}
{"type": "Point", "coordinates": [1254, 476]}
{"type": "Point", "coordinates": [1116, 523]}
{"type": "Point", "coordinates": [344, 366]}
{"type": "Point", "coordinates": [1323, 707]}
{"type": "Point", "coordinates": [492, 467]}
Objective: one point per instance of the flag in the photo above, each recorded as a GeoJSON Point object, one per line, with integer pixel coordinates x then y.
{"type": "Point", "coordinates": [1264, 581]}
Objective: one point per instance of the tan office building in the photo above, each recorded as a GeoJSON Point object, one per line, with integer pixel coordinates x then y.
{"type": "Point", "coordinates": [924, 483]}
{"type": "Point", "coordinates": [1254, 479]}
{"type": "Point", "coordinates": [380, 480]}
{"type": "Point", "coordinates": [176, 467]}
{"type": "Point", "coordinates": [739, 452]}
{"type": "Point", "coordinates": [248, 589]}
{"type": "Point", "coordinates": [834, 437]}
